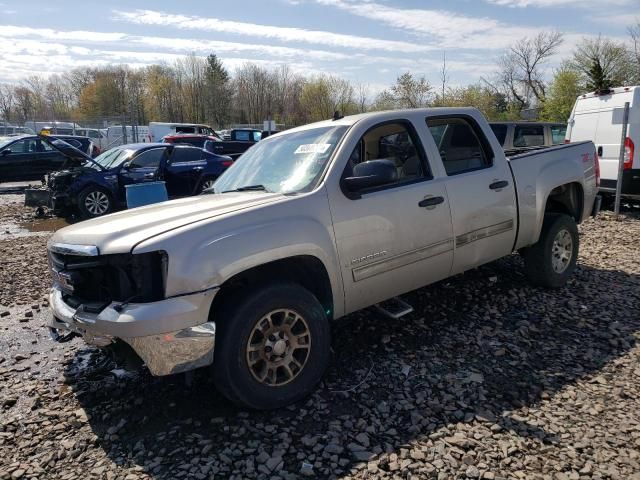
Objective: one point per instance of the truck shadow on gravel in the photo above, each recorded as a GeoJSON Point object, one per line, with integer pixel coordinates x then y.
{"type": "Point", "coordinates": [481, 347]}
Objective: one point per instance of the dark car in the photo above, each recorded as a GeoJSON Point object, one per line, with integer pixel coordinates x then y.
{"type": "Point", "coordinates": [28, 157]}
{"type": "Point", "coordinates": [240, 140]}
{"type": "Point", "coordinates": [97, 186]}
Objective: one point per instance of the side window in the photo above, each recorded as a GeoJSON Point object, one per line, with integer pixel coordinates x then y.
{"type": "Point", "coordinates": [528, 136]}
{"type": "Point", "coordinates": [393, 142]}
{"type": "Point", "coordinates": [186, 155]}
{"type": "Point", "coordinates": [558, 133]}
{"type": "Point", "coordinates": [24, 146]}
{"type": "Point", "coordinates": [148, 159]}
{"type": "Point", "coordinates": [462, 149]}
{"type": "Point", "coordinates": [500, 131]}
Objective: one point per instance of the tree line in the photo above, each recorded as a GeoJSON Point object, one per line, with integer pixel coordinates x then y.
{"type": "Point", "coordinates": [202, 90]}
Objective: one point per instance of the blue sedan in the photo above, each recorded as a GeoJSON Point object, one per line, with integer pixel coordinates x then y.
{"type": "Point", "coordinates": [94, 187]}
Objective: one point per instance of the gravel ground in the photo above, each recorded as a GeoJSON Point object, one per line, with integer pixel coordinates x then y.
{"type": "Point", "coordinates": [489, 378]}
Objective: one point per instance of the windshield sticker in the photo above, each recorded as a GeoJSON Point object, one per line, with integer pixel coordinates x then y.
{"type": "Point", "coordinates": [313, 148]}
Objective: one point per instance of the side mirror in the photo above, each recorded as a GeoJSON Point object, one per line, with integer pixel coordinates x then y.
{"type": "Point", "coordinates": [5, 152]}
{"type": "Point", "coordinates": [373, 173]}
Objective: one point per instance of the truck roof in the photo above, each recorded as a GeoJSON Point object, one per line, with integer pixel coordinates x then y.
{"type": "Point", "coordinates": [386, 115]}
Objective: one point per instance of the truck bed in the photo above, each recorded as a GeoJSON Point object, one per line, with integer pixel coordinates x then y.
{"type": "Point", "coordinates": [540, 167]}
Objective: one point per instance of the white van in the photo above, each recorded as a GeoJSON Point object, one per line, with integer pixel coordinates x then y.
{"type": "Point", "coordinates": [161, 129]}
{"type": "Point", "coordinates": [119, 135]}
{"type": "Point", "coordinates": [598, 117]}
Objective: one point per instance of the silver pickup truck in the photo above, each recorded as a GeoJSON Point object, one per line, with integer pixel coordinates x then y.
{"type": "Point", "coordinates": [310, 225]}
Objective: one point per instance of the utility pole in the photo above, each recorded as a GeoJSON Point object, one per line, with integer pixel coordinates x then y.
{"type": "Point", "coordinates": [623, 137]}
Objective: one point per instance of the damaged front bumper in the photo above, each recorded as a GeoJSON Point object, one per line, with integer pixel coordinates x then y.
{"type": "Point", "coordinates": [168, 335]}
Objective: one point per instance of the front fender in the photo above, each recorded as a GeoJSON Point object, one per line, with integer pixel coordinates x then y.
{"type": "Point", "coordinates": [206, 255]}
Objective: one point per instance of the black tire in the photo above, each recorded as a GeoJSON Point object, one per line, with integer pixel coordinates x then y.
{"type": "Point", "coordinates": [203, 183]}
{"type": "Point", "coordinates": [234, 376]}
{"type": "Point", "coordinates": [84, 202]}
{"type": "Point", "coordinates": [539, 258]}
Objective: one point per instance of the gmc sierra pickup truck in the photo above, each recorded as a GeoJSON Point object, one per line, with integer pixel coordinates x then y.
{"type": "Point", "coordinates": [310, 225]}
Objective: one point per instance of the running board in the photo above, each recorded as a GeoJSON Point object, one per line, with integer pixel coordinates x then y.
{"type": "Point", "coordinates": [394, 308]}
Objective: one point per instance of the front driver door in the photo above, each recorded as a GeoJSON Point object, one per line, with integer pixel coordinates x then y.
{"type": "Point", "coordinates": [21, 161]}
{"type": "Point", "coordinates": [143, 167]}
{"type": "Point", "coordinates": [397, 237]}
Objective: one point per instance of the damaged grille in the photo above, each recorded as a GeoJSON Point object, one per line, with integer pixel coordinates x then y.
{"type": "Point", "coordinates": [96, 281]}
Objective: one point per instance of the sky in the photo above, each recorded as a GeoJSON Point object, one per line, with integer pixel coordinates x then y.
{"type": "Point", "coordinates": [368, 42]}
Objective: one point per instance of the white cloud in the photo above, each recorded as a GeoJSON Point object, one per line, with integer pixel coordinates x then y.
{"type": "Point", "coordinates": [441, 28]}
{"type": "Point", "coordinates": [286, 34]}
{"type": "Point", "coordinates": [560, 3]}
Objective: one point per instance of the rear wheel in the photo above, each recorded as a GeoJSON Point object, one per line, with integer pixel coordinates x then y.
{"type": "Point", "coordinates": [94, 202]}
{"type": "Point", "coordinates": [550, 262]}
{"type": "Point", "coordinates": [206, 183]}
{"type": "Point", "coordinates": [272, 346]}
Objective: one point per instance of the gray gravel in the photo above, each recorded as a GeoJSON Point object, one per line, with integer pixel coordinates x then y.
{"type": "Point", "coordinates": [490, 378]}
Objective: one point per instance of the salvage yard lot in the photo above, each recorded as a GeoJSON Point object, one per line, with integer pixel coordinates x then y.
{"type": "Point", "coordinates": [489, 378]}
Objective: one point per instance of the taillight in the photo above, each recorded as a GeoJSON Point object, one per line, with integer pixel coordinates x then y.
{"type": "Point", "coordinates": [629, 149]}
{"type": "Point", "coordinates": [597, 168]}
{"type": "Point", "coordinates": [566, 140]}
{"type": "Point", "coordinates": [227, 163]}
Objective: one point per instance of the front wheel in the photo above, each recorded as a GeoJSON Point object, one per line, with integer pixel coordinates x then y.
{"type": "Point", "coordinates": [94, 202]}
{"type": "Point", "coordinates": [550, 262]}
{"type": "Point", "coordinates": [272, 347]}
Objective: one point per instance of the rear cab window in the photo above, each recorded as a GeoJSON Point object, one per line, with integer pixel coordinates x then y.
{"type": "Point", "coordinates": [528, 136]}
{"type": "Point", "coordinates": [558, 132]}
{"type": "Point", "coordinates": [461, 143]}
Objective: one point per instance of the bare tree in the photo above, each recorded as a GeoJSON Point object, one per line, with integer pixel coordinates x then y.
{"type": "Point", "coordinates": [6, 102]}
{"type": "Point", "coordinates": [444, 74]}
{"type": "Point", "coordinates": [522, 67]}
{"type": "Point", "coordinates": [362, 93]}
{"type": "Point", "coordinates": [634, 32]}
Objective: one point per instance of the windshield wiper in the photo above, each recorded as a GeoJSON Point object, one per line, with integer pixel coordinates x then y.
{"type": "Point", "coordinates": [249, 188]}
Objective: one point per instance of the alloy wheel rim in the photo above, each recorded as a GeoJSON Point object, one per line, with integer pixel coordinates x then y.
{"type": "Point", "coordinates": [208, 184]}
{"type": "Point", "coordinates": [97, 203]}
{"type": "Point", "coordinates": [561, 251]}
{"type": "Point", "coordinates": [278, 347]}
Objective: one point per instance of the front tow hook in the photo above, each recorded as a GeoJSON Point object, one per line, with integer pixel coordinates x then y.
{"type": "Point", "coordinates": [56, 337]}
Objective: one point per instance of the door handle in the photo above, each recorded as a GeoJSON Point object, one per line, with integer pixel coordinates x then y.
{"type": "Point", "coordinates": [431, 202]}
{"type": "Point", "coordinates": [498, 185]}
{"type": "Point", "coordinates": [198, 168]}
{"type": "Point", "coordinates": [149, 175]}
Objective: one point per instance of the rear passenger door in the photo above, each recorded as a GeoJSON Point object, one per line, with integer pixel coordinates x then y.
{"type": "Point", "coordinates": [480, 190]}
{"type": "Point", "coordinates": [183, 170]}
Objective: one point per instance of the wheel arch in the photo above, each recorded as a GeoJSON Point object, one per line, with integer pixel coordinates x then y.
{"type": "Point", "coordinates": [307, 271]}
{"type": "Point", "coordinates": [568, 199]}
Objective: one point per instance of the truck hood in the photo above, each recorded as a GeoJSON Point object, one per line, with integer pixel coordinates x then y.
{"type": "Point", "coordinates": [121, 232]}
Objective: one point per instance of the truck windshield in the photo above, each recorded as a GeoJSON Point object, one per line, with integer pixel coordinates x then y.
{"type": "Point", "coordinates": [112, 158]}
{"type": "Point", "coordinates": [288, 163]}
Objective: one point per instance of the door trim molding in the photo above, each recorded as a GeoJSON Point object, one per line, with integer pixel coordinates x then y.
{"type": "Point", "coordinates": [484, 232]}
{"type": "Point", "coordinates": [401, 260]}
